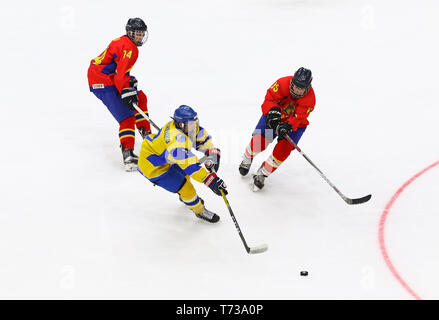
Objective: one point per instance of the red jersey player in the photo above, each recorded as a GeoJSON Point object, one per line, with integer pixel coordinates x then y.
{"type": "Point", "coordinates": [109, 79]}
{"type": "Point", "coordinates": [286, 107]}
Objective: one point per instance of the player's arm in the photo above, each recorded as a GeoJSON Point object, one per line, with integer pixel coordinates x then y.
{"type": "Point", "coordinates": [272, 98]}
{"type": "Point", "coordinates": [203, 141]}
{"type": "Point", "coordinates": [127, 59]}
{"type": "Point", "coordinates": [191, 166]}
{"type": "Point", "coordinates": [180, 154]}
{"type": "Point", "coordinates": [204, 144]}
{"type": "Point", "coordinates": [270, 107]}
{"type": "Point", "coordinates": [122, 80]}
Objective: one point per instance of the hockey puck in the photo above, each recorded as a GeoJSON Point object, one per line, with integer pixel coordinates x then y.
{"type": "Point", "coordinates": [304, 273]}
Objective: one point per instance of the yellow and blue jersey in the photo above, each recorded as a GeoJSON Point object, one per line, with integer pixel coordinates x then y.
{"type": "Point", "coordinates": [170, 146]}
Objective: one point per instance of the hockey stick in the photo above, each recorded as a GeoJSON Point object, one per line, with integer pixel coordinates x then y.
{"type": "Point", "coordinates": [145, 116]}
{"type": "Point", "coordinates": [346, 199]}
{"type": "Point", "coordinates": [258, 249]}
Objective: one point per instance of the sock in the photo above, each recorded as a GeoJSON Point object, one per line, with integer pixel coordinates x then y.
{"type": "Point", "coordinates": [280, 153]}
{"type": "Point", "coordinates": [189, 196]}
{"type": "Point", "coordinates": [127, 133]}
{"type": "Point", "coordinates": [140, 120]}
{"type": "Point", "coordinates": [257, 144]}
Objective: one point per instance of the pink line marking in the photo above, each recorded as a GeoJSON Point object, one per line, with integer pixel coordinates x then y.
{"type": "Point", "coordinates": [383, 223]}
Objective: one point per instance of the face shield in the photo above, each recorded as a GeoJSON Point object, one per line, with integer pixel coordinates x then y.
{"type": "Point", "coordinates": [190, 128]}
{"type": "Point", "coordinates": [139, 37]}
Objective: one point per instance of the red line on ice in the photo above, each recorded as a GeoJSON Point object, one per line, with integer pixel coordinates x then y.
{"type": "Point", "coordinates": [383, 223]}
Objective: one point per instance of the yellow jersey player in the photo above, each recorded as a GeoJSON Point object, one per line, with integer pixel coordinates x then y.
{"type": "Point", "coordinates": [166, 159]}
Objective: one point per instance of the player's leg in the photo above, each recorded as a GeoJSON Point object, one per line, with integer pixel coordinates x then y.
{"type": "Point", "coordinates": [189, 197]}
{"type": "Point", "coordinates": [142, 124]}
{"type": "Point", "coordinates": [175, 180]}
{"type": "Point", "coordinates": [280, 153]}
{"type": "Point", "coordinates": [112, 100]}
{"type": "Point", "coordinates": [127, 133]}
{"type": "Point", "coordinates": [127, 139]}
{"type": "Point", "coordinates": [261, 138]}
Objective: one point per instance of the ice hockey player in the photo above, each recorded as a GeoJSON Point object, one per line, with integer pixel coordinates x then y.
{"type": "Point", "coordinates": [286, 107]}
{"type": "Point", "coordinates": [109, 79]}
{"type": "Point", "coordinates": [166, 160]}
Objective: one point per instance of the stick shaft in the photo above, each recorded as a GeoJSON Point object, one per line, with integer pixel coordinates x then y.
{"type": "Point", "coordinates": [315, 167]}
{"type": "Point", "coordinates": [247, 248]}
{"type": "Point", "coordinates": [145, 116]}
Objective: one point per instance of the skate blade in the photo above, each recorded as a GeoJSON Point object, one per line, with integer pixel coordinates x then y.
{"type": "Point", "coordinates": [130, 167]}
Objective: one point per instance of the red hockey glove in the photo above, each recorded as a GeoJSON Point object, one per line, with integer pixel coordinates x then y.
{"type": "Point", "coordinates": [212, 162]}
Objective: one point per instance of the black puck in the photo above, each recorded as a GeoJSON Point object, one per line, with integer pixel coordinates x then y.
{"type": "Point", "coordinates": [304, 273]}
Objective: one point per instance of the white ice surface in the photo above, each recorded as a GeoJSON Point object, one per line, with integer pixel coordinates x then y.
{"type": "Point", "coordinates": [73, 224]}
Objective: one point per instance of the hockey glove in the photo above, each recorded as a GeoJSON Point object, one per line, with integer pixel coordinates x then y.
{"type": "Point", "coordinates": [273, 118]}
{"type": "Point", "coordinates": [143, 132]}
{"type": "Point", "coordinates": [133, 82]}
{"type": "Point", "coordinates": [212, 159]}
{"type": "Point", "coordinates": [129, 96]}
{"type": "Point", "coordinates": [215, 183]}
{"type": "Point", "coordinates": [284, 128]}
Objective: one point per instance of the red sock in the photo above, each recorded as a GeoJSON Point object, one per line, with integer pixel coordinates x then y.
{"type": "Point", "coordinates": [280, 153]}
{"type": "Point", "coordinates": [127, 133]}
{"type": "Point", "coordinates": [140, 120]}
{"type": "Point", "coordinates": [257, 144]}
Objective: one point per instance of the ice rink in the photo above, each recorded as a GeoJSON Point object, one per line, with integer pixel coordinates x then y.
{"type": "Point", "coordinates": [74, 225]}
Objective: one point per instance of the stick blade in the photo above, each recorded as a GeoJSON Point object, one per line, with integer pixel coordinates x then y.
{"type": "Point", "coordinates": [358, 200]}
{"type": "Point", "coordinates": [259, 249]}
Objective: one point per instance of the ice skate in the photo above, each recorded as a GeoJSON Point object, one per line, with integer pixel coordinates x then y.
{"type": "Point", "coordinates": [245, 165]}
{"type": "Point", "coordinates": [258, 180]}
{"type": "Point", "coordinates": [129, 159]}
{"type": "Point", "coordinates": [208, 216]}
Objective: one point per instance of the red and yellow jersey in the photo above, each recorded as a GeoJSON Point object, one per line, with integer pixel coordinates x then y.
{"type": "Point", "coordinates": [113, 66]}
{"type": "Point", "coordinates": [294, 110]}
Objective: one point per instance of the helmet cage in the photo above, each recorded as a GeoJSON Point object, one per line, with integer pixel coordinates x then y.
{"type": "Point", "coordinates": [139, 37]}
{"type": "Point", "coordinates": [296, 95]}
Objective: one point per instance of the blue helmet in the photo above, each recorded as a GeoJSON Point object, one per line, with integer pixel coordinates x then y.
{"type": "Point", "coordinates": [186, 119]}
{"type": "Point", "coordinates": [185, 114]}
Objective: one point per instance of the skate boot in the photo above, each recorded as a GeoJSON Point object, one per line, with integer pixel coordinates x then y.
{"type": "Point", "coordinates": [245, 165]}
{"type": "Point", "coordinates": [259, 179]}
{"type": "Point", "coordinates": [129, 159]}
{"type": "Point", "coordinates": [208, 216]}
{"type": "Point", "coordinates": [143, 132]}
